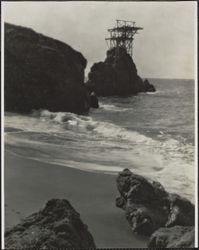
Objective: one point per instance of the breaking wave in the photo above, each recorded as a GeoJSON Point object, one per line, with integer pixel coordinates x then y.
{"type": "Point", "coordinates": [64, 121]}
{"type": "Point", "coordinates": [150, 134]}
{"type": "Point", "coordinates": [82, 142]}
{"type": "Point", "coordinates": [111, 107]}
{"type": "Point", "coordinates": [69, 121]}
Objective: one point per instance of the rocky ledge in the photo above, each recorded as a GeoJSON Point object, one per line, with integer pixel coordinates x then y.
{"type": "Point", "coordinates": [117, 75]}
{"type": "Point", "coordinates": [57, 226]}
{"type": "Point", "coordinates": [173, 237]}
{"type": "Point", "coordinates": [149, 207]}
{"type": "Point", "coordinates": [42, 73]}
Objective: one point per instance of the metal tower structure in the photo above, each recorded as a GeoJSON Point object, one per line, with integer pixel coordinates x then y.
{"type": "Point", "coordinates": [122, 35]}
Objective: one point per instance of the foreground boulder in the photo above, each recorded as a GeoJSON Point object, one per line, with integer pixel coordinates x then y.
{"type": "Point", "coordinates": [57, 226]}
{"type": "Point", "coordinates": [42, 73]}
{"type": "Point", "coordinates": [174, 237]}
{"type": "Point", "coordinates": [117, 75]}
{"type": "Point", "coordinates": [148, 206]}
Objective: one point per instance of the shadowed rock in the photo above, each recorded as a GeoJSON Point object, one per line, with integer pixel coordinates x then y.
{"type": "Point", "coordinates": [42, 73]}
{"type": "Point", "coordinates": [174, 237]}
{"type": "Point", "coordinates": [148, 206]}
{"type": "Point", "coordinates": [93, 100]}
{"type": "Point", "coordinates": [56, 226]}
{"type": "Point", "coordinates": [117, 75]}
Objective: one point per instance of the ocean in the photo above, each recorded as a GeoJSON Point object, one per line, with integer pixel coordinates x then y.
{"type": "Point", "coordinates": [152, 134]}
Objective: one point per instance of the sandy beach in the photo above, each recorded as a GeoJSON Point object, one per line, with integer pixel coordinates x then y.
{"type": "Point", "coordinates": [29, 184]}
{"type": "Point", "coordinates": [91, 99]}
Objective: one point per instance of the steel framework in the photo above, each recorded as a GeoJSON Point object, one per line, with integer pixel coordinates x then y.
{"type": "Point", "coordinates": [122, 35]}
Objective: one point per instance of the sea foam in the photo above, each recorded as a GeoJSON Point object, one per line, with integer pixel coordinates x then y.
{"type": "Point", "coordinates": [90, 144]}
{"type": "Point", "coordinates": [111, 107]}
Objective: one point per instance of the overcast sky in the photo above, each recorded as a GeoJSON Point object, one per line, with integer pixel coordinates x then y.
{"type": "Point", "coordinates": [163, 49]}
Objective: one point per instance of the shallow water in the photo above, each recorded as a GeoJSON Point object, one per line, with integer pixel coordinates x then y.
{"type": "Point", "coordinates": [151, 133]}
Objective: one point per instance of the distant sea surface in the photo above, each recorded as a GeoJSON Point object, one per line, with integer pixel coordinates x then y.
{"type": "Point", "coordinates": [152, 134]}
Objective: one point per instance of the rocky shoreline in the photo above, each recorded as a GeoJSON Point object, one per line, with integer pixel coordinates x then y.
{"type": "Point", "coordinates": [150, 210]}
{"type": "Point", "coordinates": [44, 73]}
{"type": "Point", "coordinates": [166, 218]}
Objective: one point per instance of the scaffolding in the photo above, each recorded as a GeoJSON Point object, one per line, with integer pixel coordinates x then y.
{"type": "Point", "coordinates": [122, 36]}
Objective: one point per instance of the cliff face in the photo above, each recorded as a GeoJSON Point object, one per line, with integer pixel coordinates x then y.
{"type": "Point", "coordinates": [117, 75]}
{"type": "Point", "coordinates": [41, 72]}
{"type": "Point", "coordinates": [57, 226]}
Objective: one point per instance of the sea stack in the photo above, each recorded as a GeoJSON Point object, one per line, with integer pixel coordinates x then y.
{"type": "Point", "coordinates": [42, 73]}
{"type": "Point", "coordinates": [117, 75]}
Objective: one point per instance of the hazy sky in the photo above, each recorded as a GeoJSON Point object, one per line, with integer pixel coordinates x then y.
{"type": "Point", "coordinates": [164, 48]}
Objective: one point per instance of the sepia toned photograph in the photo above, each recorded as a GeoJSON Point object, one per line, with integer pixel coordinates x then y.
{"type": "Point", "coordinates": [99, 116]}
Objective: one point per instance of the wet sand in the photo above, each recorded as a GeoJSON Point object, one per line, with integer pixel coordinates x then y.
{"type": "Point", "coordinates": [30, 184]}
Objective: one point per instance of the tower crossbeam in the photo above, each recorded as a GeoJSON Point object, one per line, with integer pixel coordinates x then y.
{"type": "Point", "coordinates": [122, 35]}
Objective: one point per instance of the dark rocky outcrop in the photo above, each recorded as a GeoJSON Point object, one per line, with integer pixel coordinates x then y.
{"type": "Point", "coordinates": [42, 73]}
{"type": "Point", "coordinates": [117, 75]}
{"type": "Point", "coordinates": [148, 206]}
{"type": "Point", "coordinates": [147, 87]}
{"type": "Point", "coordinates": [57, 226]}
{"type": "Point", "coordinates": [174, 237]}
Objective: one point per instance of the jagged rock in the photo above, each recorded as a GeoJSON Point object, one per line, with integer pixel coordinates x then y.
{"type": "Point", "coordinates": [173, 237]}
{"type": "Point", "coordinates": [117, 75]}
{"type": "Point", "coordinates": [147, 87]}
{"type": "Point", "coordinates": [148, 206]}
{"type": "Point", "coordinates": [182, 211]}
{"type": "Point", "coordinates": [57, 226]}
{"type": "Point", "coordinates": [42, 73]}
